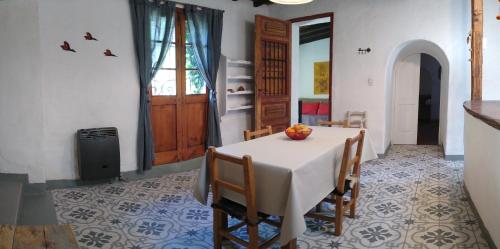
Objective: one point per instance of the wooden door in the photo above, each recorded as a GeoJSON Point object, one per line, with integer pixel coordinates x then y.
{"type": "Point", "coordinates": [407, 88]}
{"type": "Point", "coordinates": [272, 73]}
{"type": "Point", "coordinates": [179, 103]}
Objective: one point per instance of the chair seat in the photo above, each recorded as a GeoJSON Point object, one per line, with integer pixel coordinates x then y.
{"type": "Point", "coordinates": [237, 210]}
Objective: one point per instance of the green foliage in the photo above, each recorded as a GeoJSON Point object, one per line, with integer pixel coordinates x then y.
{"type": "Point", "coordinates": [194, 77]}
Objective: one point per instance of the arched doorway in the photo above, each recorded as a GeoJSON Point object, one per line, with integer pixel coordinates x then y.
{"type": "Point", "coordinates": [419, 72]}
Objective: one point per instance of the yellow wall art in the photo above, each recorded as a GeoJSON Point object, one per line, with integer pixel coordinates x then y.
{"type": "Point", "coordinates": [321, 77]}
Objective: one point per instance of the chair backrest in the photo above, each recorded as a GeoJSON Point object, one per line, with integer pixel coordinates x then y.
{"type": "Point", "coordinates": [249, 135]}
{"type": "Point", "coordinates": [351, 165]}
{"type": "Point", "coordinates": [248, 188]}
{"type": "Point", "coordinates": [342, 123]}
{"type": "Point", "coordinates": [356, 119]}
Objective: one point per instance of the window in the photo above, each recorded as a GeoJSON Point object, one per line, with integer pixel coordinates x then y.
{"type": "Point", "coordinates": [172, 76]}
{"type": "Point", "coordinates": [165, 81]}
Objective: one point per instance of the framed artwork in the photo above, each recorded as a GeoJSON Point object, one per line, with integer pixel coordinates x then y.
{"type": "Point", "coordinates": [321, 77]}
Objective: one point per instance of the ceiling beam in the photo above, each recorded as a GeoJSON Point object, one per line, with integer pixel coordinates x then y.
{"type": "Point", "coordinates": [257, 3]}
{"type": "Point", "coordinates": [477, 50]}
{"type": "Point", "coordinates": [311, 33]}
{"type": "Point", "coordinates": [313, 38]}
{"type": "Point", "coordinates": [317, 28]}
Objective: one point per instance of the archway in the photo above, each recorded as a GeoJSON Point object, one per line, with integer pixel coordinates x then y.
{"type": "Point", "coordinates": [401, 55]}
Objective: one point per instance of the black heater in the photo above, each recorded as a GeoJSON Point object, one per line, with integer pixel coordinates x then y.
{"type": "Point", "coordinates": [98, 153]}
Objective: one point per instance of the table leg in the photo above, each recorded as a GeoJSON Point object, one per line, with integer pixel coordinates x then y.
{"type": "Point", "coordinates": [291, 245]}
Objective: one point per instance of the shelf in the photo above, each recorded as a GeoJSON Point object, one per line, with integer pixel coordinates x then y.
{"type": "Point", "coordinates": [240, 93]}
{"type": "Point", "coordinates": [237, 108]}
{"type": "Point", "coordinates": [240, 77]}
{"type": "Point", "coordinates": [241, 63]}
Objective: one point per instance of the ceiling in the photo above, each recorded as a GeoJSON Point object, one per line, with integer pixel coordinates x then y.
{"type": "Point", "coordinates": [314, 32]}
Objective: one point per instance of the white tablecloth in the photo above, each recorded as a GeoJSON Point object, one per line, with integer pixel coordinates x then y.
{"type": "Point", "coordinates": [291, 176]}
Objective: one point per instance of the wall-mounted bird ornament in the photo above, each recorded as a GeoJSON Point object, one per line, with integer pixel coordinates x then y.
{"type": "Point", "coordinates": [109, 53]}
{"type": "Point", "coordinates": [66, 47]}
{"type": "Point", "coordinates": [88, 36]}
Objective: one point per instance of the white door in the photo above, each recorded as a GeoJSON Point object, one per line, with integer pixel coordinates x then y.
{"type": "Point", "coordinates": [407, 88]}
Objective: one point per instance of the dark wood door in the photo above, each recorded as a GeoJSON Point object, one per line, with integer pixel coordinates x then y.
{"type": "Point", "coordinates": [179, 102]}
{"type": "Point", "coordinates": [272, 73]}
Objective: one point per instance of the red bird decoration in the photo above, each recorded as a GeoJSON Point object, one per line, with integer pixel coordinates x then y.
{"type": "Point", "coordinates": [88, 36]}
{"type": "Point", "coordinates": [67, 47]}
{"type": "Point", "coordinates": [109, 53]}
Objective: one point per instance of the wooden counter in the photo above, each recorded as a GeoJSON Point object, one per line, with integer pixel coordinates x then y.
{"type": "Point", "coordinates": [482, 161]}
{"type": "Point", "coordinates": [487, 111]}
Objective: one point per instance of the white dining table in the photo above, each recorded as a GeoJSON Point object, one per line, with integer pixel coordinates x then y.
{"type": "Point", "coordinates": [291, 177]}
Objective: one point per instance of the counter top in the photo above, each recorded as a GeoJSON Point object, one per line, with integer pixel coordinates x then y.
{"type": "Point", "coordinates": [487, 111]}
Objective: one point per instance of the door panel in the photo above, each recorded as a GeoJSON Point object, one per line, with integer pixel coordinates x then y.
{"type": "Point", "coordinates": [275, 111]}
{"type": "Point", "coordinates": [165, 115]}
{"type": "Point", "coordinates": [164, 122]}
{"type": "Point", "coordinates": [407, 88]}
{"type": "Point", "coordinates": [272, 73]}
{"type": "Point", "coordinates": [195, 126]}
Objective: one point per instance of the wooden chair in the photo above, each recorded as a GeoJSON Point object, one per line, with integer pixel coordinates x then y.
{"type": "Point", "coordinates": [222, 207]}
{"type": "Point", "coordinates": [349, 174]}
{"type": "Point", "coordinates": [342, 123]}
{"type": "Point", "coordinates": [249, 135]}
{"type": "Point", "coordinates": [356, 119]}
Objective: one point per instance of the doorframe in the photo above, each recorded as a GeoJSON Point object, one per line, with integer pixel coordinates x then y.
{"type": "Point", "coordinates": [395, 76]}
{"type": "Point", "coordinates": [330, 15]}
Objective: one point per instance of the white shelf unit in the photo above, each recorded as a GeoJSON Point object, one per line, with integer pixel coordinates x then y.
{"type": "Point", "coordinates": [235, 74]}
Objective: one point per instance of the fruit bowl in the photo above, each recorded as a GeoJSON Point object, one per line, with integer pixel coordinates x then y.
{"type": "Point", "coordinates": [298, 132]}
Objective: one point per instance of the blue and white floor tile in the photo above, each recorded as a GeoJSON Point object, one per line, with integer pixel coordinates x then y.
{"type": "Point", "coordinates": [413, 198]}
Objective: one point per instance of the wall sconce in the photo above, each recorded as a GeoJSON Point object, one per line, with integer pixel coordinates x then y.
{"type": "Point", "coordinates": [364, 51]}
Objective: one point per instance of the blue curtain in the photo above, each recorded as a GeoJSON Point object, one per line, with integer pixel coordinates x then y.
{"type": "Point", "coordinates": [205, 33]}
{"type": "Point", "coordinates": [152, 22]}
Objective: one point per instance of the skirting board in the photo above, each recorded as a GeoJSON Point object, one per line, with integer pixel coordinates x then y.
{"type": "Point", "coordinates": [487, 235]}
{"type": "Point", "coordinates": [382, 156]}
{"type": "Point", "coordinates": [454, 157]}
{"type": "Point", "coordinates": [156, 171]}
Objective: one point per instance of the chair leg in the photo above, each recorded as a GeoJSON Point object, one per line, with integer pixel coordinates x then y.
{"type": "Point", "coordinates": [339, 215]}
{"type": "Point", "coordinates": [253, 235]}
{"type": "Point", "coordinates": [218, 225]}
{"type": "Point", "coordinates": [354, 200]}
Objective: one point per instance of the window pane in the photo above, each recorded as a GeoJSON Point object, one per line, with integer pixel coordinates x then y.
{"type": "Point", "coordinates": [169, 61]}
{"type": "Point", "coordinates": [164, 83]}
{"type": "Point", "coordinates": [195, 83]}
{"type": "Point", "coordinates": [190, 58]}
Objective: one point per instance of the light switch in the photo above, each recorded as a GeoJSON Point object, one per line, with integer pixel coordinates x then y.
{"type": "Point", "coordinates": [370, 82]}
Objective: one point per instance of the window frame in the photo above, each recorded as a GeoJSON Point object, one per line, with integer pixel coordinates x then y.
{"type": "Point", "coordinates": [181, 45]}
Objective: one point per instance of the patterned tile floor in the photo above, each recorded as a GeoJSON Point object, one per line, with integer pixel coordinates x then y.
{"type": "Point", "coordinates": [413, 198]}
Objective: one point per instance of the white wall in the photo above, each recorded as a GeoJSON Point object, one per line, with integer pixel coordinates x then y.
{"type": "Point", "coordinates": [491, 74]}
{"type": "Point", "coordinates": [47, 94]}
{"type": "Point", "coordinates": [20, 89]}
{"type": "Point", "coordinates": [383, 26]}
{"type": "Point", "coordinates": [86, 89]}
{"type": "Point", "coordinates": [481, 172]}
{"type": "Point", "coordinates": [309, 54]}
